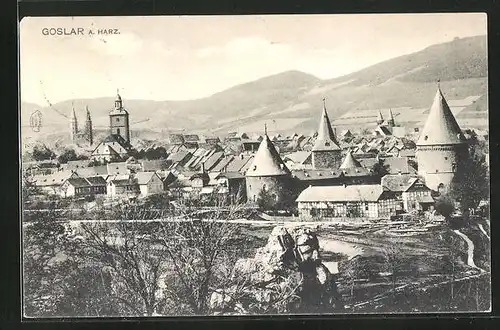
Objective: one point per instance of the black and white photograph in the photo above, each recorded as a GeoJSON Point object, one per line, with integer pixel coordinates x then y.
{"type": "Point", "coordinates": [232, 165]}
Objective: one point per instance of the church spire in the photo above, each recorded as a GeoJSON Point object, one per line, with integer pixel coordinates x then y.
{"type": "Point", "coordinates": [73, 123]}
{"type": "Point", "coordinates": [441, 127]}
{"type": "Point", "coordinates": [326, 137]}
{"type": "Point", "coordinates": [391, 122]}
{"type": "Point", "coordinates": [118, 100]}
{"type": "Point", "coordinates": [380, 118]}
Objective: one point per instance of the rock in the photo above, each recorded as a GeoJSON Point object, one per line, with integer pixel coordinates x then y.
{"type": "Point", "coordinates": [286, 275]}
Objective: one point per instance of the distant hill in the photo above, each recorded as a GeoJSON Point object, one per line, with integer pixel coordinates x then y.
{"type": "Point", "coordinates": [291, 101]}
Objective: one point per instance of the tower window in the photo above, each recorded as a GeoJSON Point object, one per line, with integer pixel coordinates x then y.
{"type": "Point", "coordinates": [426, 137]}
{"type": "Point", "coordinates": [445, 158]}
{"type": "Point", "coordinates": [118, 131]}
{"type": "Point", "coordinates": [327, 144]}
{"type": "Point", "coordinates": [117, 119]}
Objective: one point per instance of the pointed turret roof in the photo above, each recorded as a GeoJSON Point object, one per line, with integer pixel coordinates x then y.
{"type": "Point", "coordinates": [349, 162]}
{"type": "Point", "coordinates": [267, 161]}
{"type": "Point", "coordinates": [325, 140]}
{"type": "Point", "coordinates": [441, 127]}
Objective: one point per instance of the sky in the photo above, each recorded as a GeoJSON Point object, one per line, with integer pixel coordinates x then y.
{"type": "Point", "coordinates": [189, 57]}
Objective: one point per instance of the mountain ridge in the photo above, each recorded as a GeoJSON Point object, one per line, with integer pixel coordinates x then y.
{"type": "Point", "coordinates": [292, 100]}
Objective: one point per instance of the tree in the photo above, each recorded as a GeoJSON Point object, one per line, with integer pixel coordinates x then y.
{"type": "Point", "coordinates": [68, 155]}
{"type": "Point", "coordinates": [380, 169]}
{"type": "Point", "coordinates": [265, 200]}
{"type": "Point", "coordinates": [41, 152]}
{"type": "Point", "coordinates": [471, 182]}
{"type": "Point", "coordinates": [445, 205]}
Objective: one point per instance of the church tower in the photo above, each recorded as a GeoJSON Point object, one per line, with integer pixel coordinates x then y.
{"type": "Point", "coordinates": [118, 120]}
{"type": "Point", "coordinates": [73, 125]}
{"type": "Point", "coordinates": [380, 118]}
{"type": "Point", "coordinates": [88, 128]}
{"type": "Point", "coordinates": [391, 122]}
{"type": "Point", "coordinates": [326, 152]}
{"type": "Point", "coordinates": [441, 147]}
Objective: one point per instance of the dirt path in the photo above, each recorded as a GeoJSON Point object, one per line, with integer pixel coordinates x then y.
{"type": "Point", "coordinates": [470, 249]}
{"type": "Point", "coordinates": [484, 231]}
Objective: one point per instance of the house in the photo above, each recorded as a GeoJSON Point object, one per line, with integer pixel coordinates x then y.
{"type": "Point", "coordinates": [410, 190]}
{"type": "Point", "coordinates": [199, 180]}
{"type": "Point", "coordinates": [75, 187]}
{"type": "Point", "coordinates": [370, 201]}
{"type": "Point", "coordinates": [233, 185]}
{"type": "Point", "coordinates": [113, 148]}
{"type": "Point", "coordinates": [149, 183]}
{"type": "Point", "coordinates": [51, 183]}
{"type": "Point", "coordinates": [122, 186]}
{"type": "Point", "coordinates": [250, 145]}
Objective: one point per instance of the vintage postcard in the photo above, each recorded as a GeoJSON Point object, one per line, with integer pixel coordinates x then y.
{"type": "Point", "coordinates": [249, 165]}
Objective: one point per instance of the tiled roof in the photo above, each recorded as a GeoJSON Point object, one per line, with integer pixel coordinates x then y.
{"type": "Point", "coordinates": [398, 183]}
{"type": "Point", "coordinates": [267, 161]}
{"type": "Point", "coordinates": [398, 165]}
{"type": "Point", "coordinates": [211, 161]}
{"type": "Point", "coordinates": [310, 174]}
{"type": "Point", "coordinates": [96, 180]}
{"type": "Point", "coordinates": [222, 164]}
{"type": "Point", "coordinates": [55, 178]}
{"type": "Point", "coordinates": [441, 127]}
{"type": "Point", "coordinates": [92, 171]}
{"type": "Point", "coordinates": [78, 182]}
{"type": "Point", "coordinates": [144, 177]}
{"type": "Point", "coordinates": [351, 193]}
{"type": "Point", "coordinates": [239, 163]}
{"type": "Point", "coordinates": [298, 157]}
{"type": "Point", "coordinates": [117, 168]}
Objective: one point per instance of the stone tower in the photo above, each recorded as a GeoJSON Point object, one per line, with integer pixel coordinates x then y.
{"type": "Point", "coordinates": [267, 172]}
{"type": "Point", "coordinates": [441, 147]}
{"type": "Point", "coordinates": [326, 152]}
{"type": "Point", "coordinates": [391, 122]}
{"type": "Point", "coordinates": [88, 128]}
{"type": "Point", "coordinates": [73, 125]}
{"type": "Point", "coordinates": [380, 118]}
{"type": "Point", "coordinates": [119, 120]}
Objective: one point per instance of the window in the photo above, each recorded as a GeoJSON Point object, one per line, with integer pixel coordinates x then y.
{"type": "Point", "coordinates": [426, 137]}
{"type": "Point", "coordinates": [118, 131]}
{"type": "Point", "coordinates": [454, 167]}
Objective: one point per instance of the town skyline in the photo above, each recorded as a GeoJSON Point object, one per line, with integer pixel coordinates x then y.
{"type": "Point", "coordinates": [230, 51]}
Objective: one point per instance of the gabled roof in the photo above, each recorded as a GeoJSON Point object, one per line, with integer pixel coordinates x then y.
{"type": "Point", "coordinates": [144, 177]}
{"type": "Point", "coordinates": [223, 163]}
{"type": "Point", "coordinates": [349, 162]}
{"type": "Point", "coordinates": [267, 161]}
{"type": "Point", "coordinates": [96, 180]}
{"type": "Point", "coordinates": [211, 161]}
{"type": "Point", "coordinates": [55, 178]}
{"type": "Point", "coordinates": [354, 193]}
{"type": "Point", "coordinates": [117, 168]}
{"type": "Point", "coordinates": [178, 156]}
{"type": "Point", "coordinates": [239, 163]}
{"type": "Point", "coordinates": [92, 171]}
{"type": "Point", "coordinates": [398, 183]}
{"type": "Point", "coordinates": [78, 182]}
{"type": "Point", "coordinates": [118, 139]}
{"type": "Point", "coordinates": [326, 139]}
{"type": "Point", "coordinates": [230, 175]}
{"type": "Point", "coordinates": [298, 157]}
{"type": "Point", "coordinates": [441, 127]}
{"type": "Point", "coordinates": [397, 165]}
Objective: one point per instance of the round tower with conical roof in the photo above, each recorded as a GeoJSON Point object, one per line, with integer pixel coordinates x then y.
{"type": "Point", "coordinates": [268, 172]}
{"type": "Point", "coordinates": [326, 152]}
{"type": "Point", "coordinates": [119, 120]}
{"type": "Point", "coordinates": [441, 147]}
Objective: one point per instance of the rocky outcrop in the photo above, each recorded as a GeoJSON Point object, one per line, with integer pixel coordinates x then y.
{"type": "Point", "coordinates": [285, 276]}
